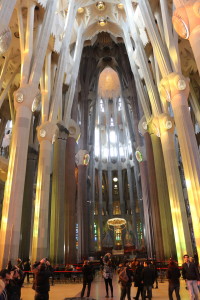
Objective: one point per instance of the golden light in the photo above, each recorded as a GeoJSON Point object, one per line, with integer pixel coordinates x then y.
{"type": "Point", "coordinates": [109, 84]}
{"type": "Point", "coordinates": [100, 5]}
{"type": "Point", "coordinates": [120, 6]}
{"type": "Point", "coordinates": [80, 10]}
{"type": "Point", "coordinates": [102, 22]}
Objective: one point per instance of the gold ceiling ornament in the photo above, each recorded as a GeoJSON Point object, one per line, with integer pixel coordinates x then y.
{"type": "Point", "coordinates": [102, 22]}
{"type": "Point", "coordinates": [120, 6]}
{"type": "Point", "coordinates": [117, 223]}
{"type": "Point", "coordinates": [100, 5]}
{"type": "Point", "coordinates": [80, 10]}
{"type": "Point", "coordinates": [109, 84]}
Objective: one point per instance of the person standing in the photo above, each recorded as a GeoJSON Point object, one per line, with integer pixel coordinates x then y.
{"type": "Point", "coordinates": [191, 274]}
{"type": "Point", "coordinates": [138, 279]}
{"type": "Point", "coordinates": [27, 269]}
{"type": "Point", "coordinates": [148, 278]}
{"type": "Point", "coordinates": [125, 278]}
{"type": "Point", "coordinates": [41, 280]}
{"type": "Point", "coordinates": [87, 277]}
{"type": "Point", "coordinates": [108, 275]}
{"type": "Point", "coordinates": [173, 275]}
{"type": "Point", "coordinates": [5, 277]}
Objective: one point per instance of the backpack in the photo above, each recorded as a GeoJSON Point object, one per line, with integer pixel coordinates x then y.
{"type": "Point", "coordinates": [123, 277]}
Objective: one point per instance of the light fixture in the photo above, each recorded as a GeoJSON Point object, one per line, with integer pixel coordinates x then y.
{"type": "Point", "coordinates": [181, 85]}
{"type": "Point", "coordinates": [102, 22]}
{"type": "Point", "coordinates": [80, 10]}
{"type": "Point", "coordinates": [115, 179]}
{"type": "Point", "coordinates": [120, 6]}
{"type": "Point", "coordinates": [100, 5]}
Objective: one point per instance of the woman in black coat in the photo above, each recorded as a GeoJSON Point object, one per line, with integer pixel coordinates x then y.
{"type": "Point", "coordinates": [173, 275]}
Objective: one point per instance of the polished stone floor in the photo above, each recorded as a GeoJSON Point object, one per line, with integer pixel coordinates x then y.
{"type": "Point", "coordinates": [61, 291]}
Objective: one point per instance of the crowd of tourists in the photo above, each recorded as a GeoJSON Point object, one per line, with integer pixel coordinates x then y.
{"type": "Point", "coordinates": [142, 274]}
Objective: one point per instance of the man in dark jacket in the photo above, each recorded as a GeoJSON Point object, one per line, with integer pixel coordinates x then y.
{"type": "Point", "coordinates": [148, 278]}
{"type": "Point", "coordinates": [173, 275]}
{"type": "Point", "coordinates": [87, 277]}
{"type": "Point", "coordinates": [138, 279]}
{"type": "Point", "coordinates": [191, 274]}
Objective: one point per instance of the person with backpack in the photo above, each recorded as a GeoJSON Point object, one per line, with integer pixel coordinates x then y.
{"type": "Point", "coordinates": [125, 279]}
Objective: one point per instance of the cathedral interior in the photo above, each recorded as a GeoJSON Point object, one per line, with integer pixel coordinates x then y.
{"type": "Point", "coordinates": [99, 129]}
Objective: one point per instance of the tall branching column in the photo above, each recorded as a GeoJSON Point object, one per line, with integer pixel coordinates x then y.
{"type": "Point", "coordinates": [30, 74]}
{"type": "Point", "coordinates": [163, 195]}
{"type": "Point", "coordinates": [13, 195]}
{"type": "Point", "coordinates": [70, 193]}
{"type": "Point", "coordinates": [40, 242]}
{"type": "Point", "coordinates": [82, 161]}
{"type": "Point", "coordinates": [58, 199]}
{"type": "Point", "coordinates": [156, 218]}
{"type": "Point", "coordinates": [175, 88]}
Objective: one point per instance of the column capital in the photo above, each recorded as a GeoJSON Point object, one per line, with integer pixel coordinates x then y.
{"type": "Point", "coordinates": [27, 95]}
{"type": "Point", "coordinates": [172, 85]}
{"type": "Point", "coordinates": [74, 129]}
{"type": "Point", "coordinates": [153, 126]}
{"type": "Point", "coordinates": [82, 158]}
{"type": "Point", "coordinates": [47, 131]}
{"type": "Point", "coordinates": [186, 18]}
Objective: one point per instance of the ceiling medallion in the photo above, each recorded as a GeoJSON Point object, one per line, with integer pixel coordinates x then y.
{"type": "Point", "coordinates": [43, 132]}
{"type": "Point", "coordinates": [100, 5]}
{"type": "Point", "coordinates": [19, 97]}
{"type": "Point", "coordinates": [181, 85]}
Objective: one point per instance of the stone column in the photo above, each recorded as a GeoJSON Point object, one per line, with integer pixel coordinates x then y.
{"type": "Point", "coordinates": [132, 204]}
{"type": "Point", "coordinates": [148, 231]}
{"type": "Point", "coordinates": [178, 211]}
{"type": "Point", "coordinates": [13, 195]}
{"type": "Point", "coordinates": [82, 159]}
{"type": "Point", "coordinates": [163, 196]}
{"type": "Point", "coordinates": [100, 208]}
{"type": "Point", "coordinates": [40, 242]}
{"type": "Point", "coordinates": [186, 21]}
{"type": "Point", "coordinates": [156, 218]}
{"type": "Point", "coordinates": [175, 88]}
{"type": "Point", "coordinates": [70, 194]}
{"type": "Point", "coordinates": [6, 11]}
{"type": "Point", "coordinates": [28, 201]}
{"type": "Point", "coordinates": [57, 223]}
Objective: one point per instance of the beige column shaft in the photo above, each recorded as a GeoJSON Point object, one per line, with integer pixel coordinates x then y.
{"type": "Point", "coordinates": [40, 246]}
{"type": "Point", "coordinates": [13, 195]}
{"type": "Point", "coordinates": [178, 210]}
{"type": "Point", "coordinates": [163, 197]}
{"type": "Point", "coordinates": [175, 88]}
